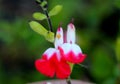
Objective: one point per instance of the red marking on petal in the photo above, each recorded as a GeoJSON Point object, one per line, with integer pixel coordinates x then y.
{"type": "Point", "coordinates": [60, 24]}
{"type": "Point", "coordinates": [83, 57]}
{"type": "Point", "coordinates": [71, 57]}
{"type": "Point", "coordinates": [49, 56]}
{"type": "Point", "coordinates": [71, 25]}
{"type": "Point", "coordinates": [48, 53]}
{"type": "Point", "coordinates": [65, 37]}
{"type": "Point", "coordinates": [61, 53]}
{"type": "Point", "coordinates": [58, 29]}
{"type": "Point", "coordinates": [70, 42]}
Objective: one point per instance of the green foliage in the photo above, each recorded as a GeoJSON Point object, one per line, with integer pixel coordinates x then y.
{"type": "Point", "coordinates": [49, 35]}
{"type": "Point", "coordinates": [77, 72]}
{"type": "Point", "coordinates": [39, 16]}
{"type": "Point", "coordinates": [42, 31]}
{"type": "Point", "coordinates": [55, 10]}
{"type": "Point", "coordinates": [42, 3]}
{"type": "Point", "coordinates": [102, 64]}
{"type": "Point", "coordinates": [117, 71]}
{"type": "Point", "coordinates": [117, 3]}
{"type": "Point", "coordinates": [109, 81]}
{"type": "Point", "coordinates": [37, 27]}
{"type": "Point", "coordinates": [118, 49]}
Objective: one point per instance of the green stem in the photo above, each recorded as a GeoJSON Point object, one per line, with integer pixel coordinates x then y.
{"type": "Point", "coordinates": [44, 5]}
{"type": "Point", "coordinates": [83, 66]}
{"type": "Point", "coordinates": [68, 80]}
{"type": "Point", "coordinates": [48, 20]}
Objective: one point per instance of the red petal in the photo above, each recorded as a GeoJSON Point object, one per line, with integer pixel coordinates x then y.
{"type": "Point", "coordinates": [72, 53]}
{"type": "Point", "coordinates": [51, 63]}
{"type": "Point", "coordinates": [71, 57]}
{"type": "Point", "coordinates": [45, 67]}
{"type": "Point", "coordinates": [63, 70]}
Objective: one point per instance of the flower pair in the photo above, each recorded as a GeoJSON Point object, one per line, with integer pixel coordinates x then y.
{"type": "Point", "coordinates": [56, 61]}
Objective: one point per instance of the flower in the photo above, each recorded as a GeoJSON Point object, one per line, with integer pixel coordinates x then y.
{"type": "Point", "coordinates": [51, 62]}
{"type": "Point", "coordinates": [71, 51]}
{"type": "Point", "coordinates": [57, 61]}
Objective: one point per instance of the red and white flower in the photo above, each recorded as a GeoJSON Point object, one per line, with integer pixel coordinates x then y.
{"type": "Point", "coordinates": [54, 61]}
{"type": "Point", "coordinates": [51, 62]}
{"type": "Point", "coordinates": [71, 51]}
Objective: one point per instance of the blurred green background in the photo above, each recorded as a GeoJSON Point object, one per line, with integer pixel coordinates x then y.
{"type": "Point", "coordinates": [98, 34]}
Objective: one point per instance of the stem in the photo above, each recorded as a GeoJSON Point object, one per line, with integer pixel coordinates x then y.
{"type": "Point", "coordinates": [43, 4]}
{"type": "Point", "coordinates": [83, 66]}
{"type": "Point", "coordinates": [49, 21]}
{"type": "Point", "coordinates": [68, 80]}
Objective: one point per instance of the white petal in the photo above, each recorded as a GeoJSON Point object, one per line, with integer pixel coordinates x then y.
{"type": "Point", "coordinates": [72, 53]}
{"type": "Point", "coordinates": [51, 52]}
{"type": "Point", "coordinates": [59, 37]}
{"type": "Point", "coordinates": [67, 47]}
{"type": "Point", "coordinates": [71, 33]}
{"type": "Point", "coordinates": [76, 49]}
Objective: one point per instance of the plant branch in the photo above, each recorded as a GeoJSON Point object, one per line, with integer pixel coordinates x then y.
{"type": "Point", "coordinates": [83, 66]}
{"type": "Point", "coordinates": [49, 21]}
{"type": "Point", "coordinates": [44, 5]}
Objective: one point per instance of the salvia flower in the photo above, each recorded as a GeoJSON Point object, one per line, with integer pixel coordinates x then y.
{"type": "Point", "coordinates": [51, 62]}
{"type": "Point", "coordinates": [56, 61]}
{"type": "Point", "coordinates": [71, 51]}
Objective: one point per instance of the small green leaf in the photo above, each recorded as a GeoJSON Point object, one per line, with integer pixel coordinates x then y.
{"type": "Point", "coordinates": [38, 28]}
{"type": "Point", "coordinates": [50, 36]}
{"type": "Point", "coordinates": [43, 4]}
{"type": "Point", "coordinates": [42, 31]}
{"type": "Point", "coordinates": [55, 10]}
{"type": "Point", "coordinates": [102, 63]}
{"type": "Point", "coordinates": [39, 16]}
{"type": "Point", "coordinates": [39, 1]}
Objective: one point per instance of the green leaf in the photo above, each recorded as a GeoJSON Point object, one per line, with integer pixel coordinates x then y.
{"type": "Point", "coordinates": [39, 16]}
{"type": "Point", "coordinates": [42, 31]}
{"type": "Point", "coordinates": [50, 36]}
{"type": "Point", "coordinates": [55, 10]}
{"type": "Point", "coordinates": [38, 28]}
{"type": "Point", "coordinates": [102, 63]}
